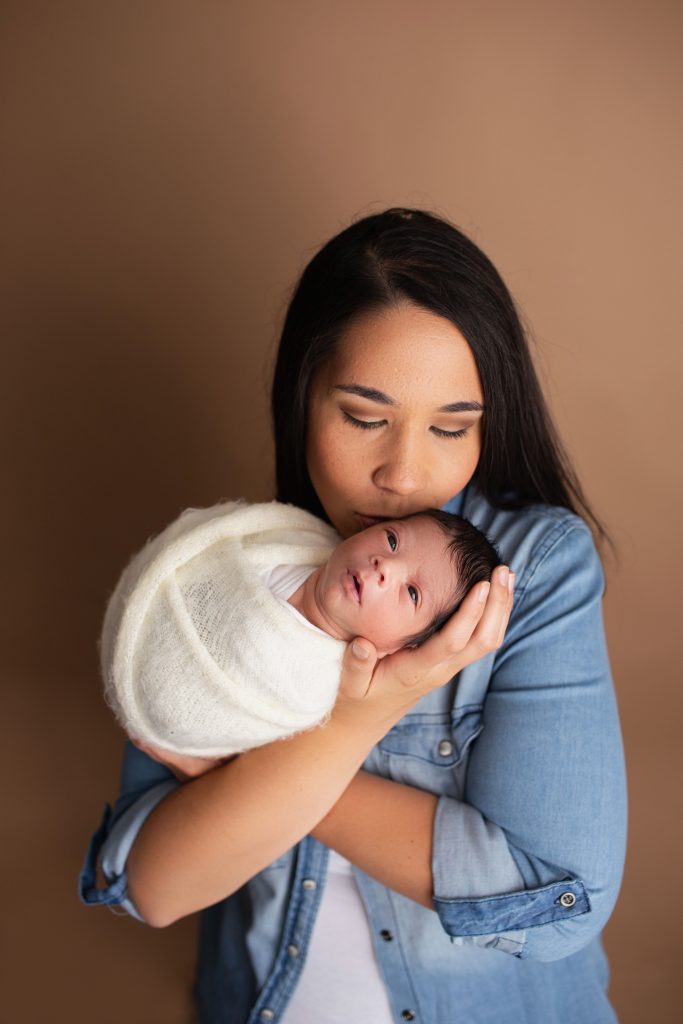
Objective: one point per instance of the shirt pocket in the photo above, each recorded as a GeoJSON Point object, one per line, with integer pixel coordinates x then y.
{"type": "Point", "coordinates": [431, 752]}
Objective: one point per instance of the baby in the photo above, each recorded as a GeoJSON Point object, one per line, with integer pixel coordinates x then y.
{"type": "Point", "coordinates": [227, 631]}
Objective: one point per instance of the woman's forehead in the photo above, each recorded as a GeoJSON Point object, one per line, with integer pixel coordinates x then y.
{"type": "Point", "coordinates": [406, 352]}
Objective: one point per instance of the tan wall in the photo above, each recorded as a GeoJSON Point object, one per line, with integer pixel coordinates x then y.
{"type": "Point", "coordinates": [167, 170]}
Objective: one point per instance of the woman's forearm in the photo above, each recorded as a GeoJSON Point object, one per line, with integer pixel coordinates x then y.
{"type": "Point", "coordinates": [214, 833]}
{"type": "Point", "coordinates": [385, 828]}
{"type": "Point", "coordinates": [209, 837]}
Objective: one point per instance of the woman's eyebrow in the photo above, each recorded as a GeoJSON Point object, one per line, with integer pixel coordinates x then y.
{"type": "Point", "coordinates": [374, 395]}
{"type": "Point", "coordinates": [462, 407]}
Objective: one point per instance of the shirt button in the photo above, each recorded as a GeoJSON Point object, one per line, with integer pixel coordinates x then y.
{"type": "Point", "coordinates": [267, 1014]}
{"type": "Point", "coordinates": [293, 950]}
{"type": "Point", "coordinates": [309, 883]}
{"type": "Point", "coordinates": [567, 899]}
{"type": "Point", "coordinates": [445, 748]}
{"type": "Point", "coordinates": [386, 935]}
{"type": "Point", "coordinates": [408, 1014]}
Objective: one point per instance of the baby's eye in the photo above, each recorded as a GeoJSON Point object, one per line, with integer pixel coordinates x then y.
{"type": "Point", "coordinates": [413, 594]}
{"type": "Point", "coordinates": [393, 543]}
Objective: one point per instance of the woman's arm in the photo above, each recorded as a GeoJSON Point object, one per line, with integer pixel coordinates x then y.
{"type": "Point", "coordinates": [385, 828]}
{"type": "Point", "coordinates": [203, 841]}
{"type": "Point", "coordinates": [545, 795]}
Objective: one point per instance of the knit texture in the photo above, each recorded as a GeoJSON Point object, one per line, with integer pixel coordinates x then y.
{"type": "Point", "coordinates": [197, 655]}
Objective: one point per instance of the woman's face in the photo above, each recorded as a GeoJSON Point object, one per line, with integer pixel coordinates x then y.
{"type": "Point", "coordinates": [394, 418]}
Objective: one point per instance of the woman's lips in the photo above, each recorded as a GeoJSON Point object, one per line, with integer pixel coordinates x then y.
{"type": "Point", "coordinates": [366, 521]}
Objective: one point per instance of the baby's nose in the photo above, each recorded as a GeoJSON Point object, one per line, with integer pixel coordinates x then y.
{"type": "Point", "coordinates": [378, 566]}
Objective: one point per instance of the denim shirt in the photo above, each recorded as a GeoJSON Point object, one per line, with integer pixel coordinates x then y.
{"type": "Point", "coordinates": [523, 749]}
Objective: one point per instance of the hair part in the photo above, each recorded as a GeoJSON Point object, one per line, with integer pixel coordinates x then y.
{"type": "Point", "coordinates": [404, 255]}
{"type": "Point", "coordinates": [473, 558]}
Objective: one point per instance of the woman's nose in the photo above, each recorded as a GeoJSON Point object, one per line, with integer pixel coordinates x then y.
{"type": "Point", "coordinates": [402, 468]}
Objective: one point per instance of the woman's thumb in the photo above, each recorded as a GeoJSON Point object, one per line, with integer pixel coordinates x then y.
{"type": "Point", "coordinates": [359, 663]}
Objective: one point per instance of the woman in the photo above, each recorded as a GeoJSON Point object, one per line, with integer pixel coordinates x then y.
{"type": "Point", "coordinates": [468, 796]}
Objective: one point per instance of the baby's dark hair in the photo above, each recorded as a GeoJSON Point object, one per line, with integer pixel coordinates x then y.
{"type": "Point", "coordinates": [473, 557]}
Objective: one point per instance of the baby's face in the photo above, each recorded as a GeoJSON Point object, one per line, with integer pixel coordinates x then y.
{"type": "Point", "coordinates": [387, 582]}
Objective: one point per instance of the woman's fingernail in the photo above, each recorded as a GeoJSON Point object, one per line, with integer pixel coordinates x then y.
{"type": "Point", "coordinates": [511, 582]}
{"type": "Point", "coordinates": [483, 592]}
{"type": "Point", "coordinates": [503, 576]}
{"type": "Point", "coordinates": [359, 651]}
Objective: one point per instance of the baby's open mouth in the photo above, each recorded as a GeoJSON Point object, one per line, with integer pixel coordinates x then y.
{"type": "Point", "coordinates": [355, 587]}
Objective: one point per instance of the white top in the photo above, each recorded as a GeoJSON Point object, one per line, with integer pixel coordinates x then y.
{"type": "Point", "coordinates": [341, 980]}
{"type": "Point", "coordinates": [285, 580]}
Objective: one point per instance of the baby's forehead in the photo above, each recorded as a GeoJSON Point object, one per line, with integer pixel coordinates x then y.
{"type": "Point", "coordinates": [428, 529]}
{"type": "Point", "coordinates": [431, 536]}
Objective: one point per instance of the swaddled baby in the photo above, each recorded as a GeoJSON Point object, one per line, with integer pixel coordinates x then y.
{"type": "Point", "coordinates": [227, 630]}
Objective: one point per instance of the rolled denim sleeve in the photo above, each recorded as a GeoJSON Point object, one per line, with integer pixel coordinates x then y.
{"type": "Point", "coordinates": [144, 784]}
{"type": "Point", "coordinates": [531, 861]}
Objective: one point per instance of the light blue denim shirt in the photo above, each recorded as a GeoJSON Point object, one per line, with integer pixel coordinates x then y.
{"type": "Point", "coordinates": [523, 749]}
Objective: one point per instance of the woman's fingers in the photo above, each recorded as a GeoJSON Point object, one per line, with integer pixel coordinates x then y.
{"type": "Point", "coordinates": [490, 630]}
{"type": "Point", "coordinates": [476, 629]}
{"type": "Point", "coordinates": [461, 627]}
{"type": "Point", "coordinates": [505, 618]}
{"type": "Point", "coordinates": [447, 646]}
{"type": "Point", "coordinates": [399, 680]}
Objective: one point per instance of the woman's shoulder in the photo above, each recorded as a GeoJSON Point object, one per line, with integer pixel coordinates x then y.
{"type": "Point", "coordinates": [559, 586]}
{"type": "Point", "coordinates": [525, 537]}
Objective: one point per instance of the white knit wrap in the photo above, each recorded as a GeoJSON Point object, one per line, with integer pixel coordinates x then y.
{"type": "Point", "coordinates": [197, 655]}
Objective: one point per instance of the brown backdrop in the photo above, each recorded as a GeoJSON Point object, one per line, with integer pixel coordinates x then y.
{"type": "Point", "coordinates": [167, 170]}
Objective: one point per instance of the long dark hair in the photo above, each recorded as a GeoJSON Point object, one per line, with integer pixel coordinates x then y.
{"type": "Point", "coordinates": [404, 254]}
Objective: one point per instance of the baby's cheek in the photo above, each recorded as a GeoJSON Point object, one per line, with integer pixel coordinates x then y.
{"type": "Point", "coordinates": [386, 629]}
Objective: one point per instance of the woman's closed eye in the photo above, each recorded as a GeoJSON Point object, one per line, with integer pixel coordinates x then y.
{"type": "Point", "coordinates": [449, 433]}
{"type": "Point", "coordinates": [362, 424]}
{"type": "Point", "coordinates": [375, 424]}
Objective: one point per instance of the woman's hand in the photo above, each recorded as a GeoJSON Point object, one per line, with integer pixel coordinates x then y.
{"type": "Point", "coordinates": [184, 767]}
{"type": "Point", "coordinates": [392, 686]}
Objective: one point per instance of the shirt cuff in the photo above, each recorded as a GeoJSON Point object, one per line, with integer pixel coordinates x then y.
{"type": "Point", "coordinates": [470, 855]}
{"type": "Point", "coordinates": [112, 844]}
{"type": "Point", "coordinates": [471, 861]}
